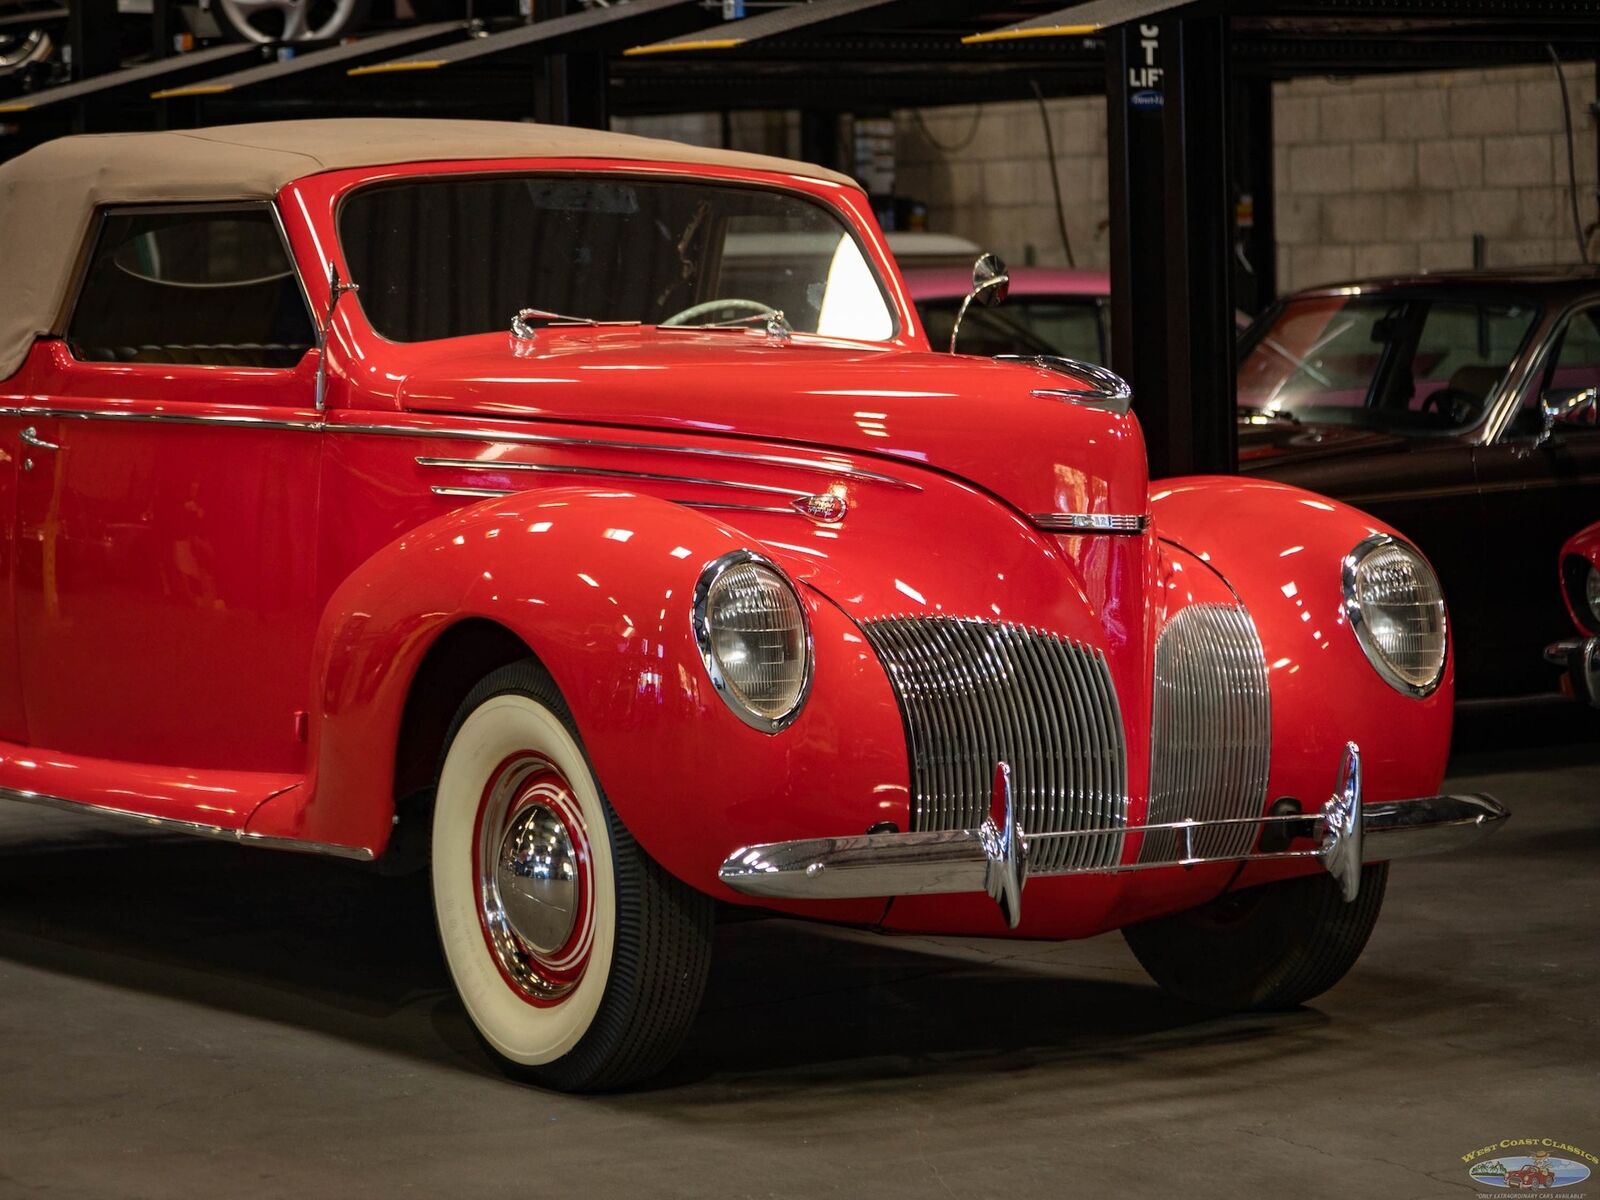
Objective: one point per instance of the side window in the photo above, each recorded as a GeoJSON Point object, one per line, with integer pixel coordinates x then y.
{"type": "Point", "coordinates": [208, 287]}
{"type": "Point", "coordinates": [1465, 349]}
{"type": "Point", "coordinates": [1575, 364]}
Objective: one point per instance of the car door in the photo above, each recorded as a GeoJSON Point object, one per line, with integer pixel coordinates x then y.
{"type": "Point", "coordinates": [13, 723]}
{"type": "Point", "coordinates": [1534, 496]}
{"type": "Point", "coordinates": [165, 566]}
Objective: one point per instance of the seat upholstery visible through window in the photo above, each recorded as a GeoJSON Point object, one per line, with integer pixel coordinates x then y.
{"type": "Point", "coordinates": [205, 287]}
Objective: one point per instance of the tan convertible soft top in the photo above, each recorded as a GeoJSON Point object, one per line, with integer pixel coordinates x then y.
{"type": "Point", "coordinates": [48, 195]}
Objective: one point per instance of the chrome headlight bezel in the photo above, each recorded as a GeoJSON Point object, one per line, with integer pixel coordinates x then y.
{"type": "Point", "coordinates": [701, 617]}
{"type": "Point", "coordinates": [1361, 625]}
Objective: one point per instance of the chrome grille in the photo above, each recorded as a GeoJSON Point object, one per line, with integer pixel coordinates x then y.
{"type": "Point", "coordinates": [1211, 730]}
{"type": "Point", "coordinates": [974, 693]}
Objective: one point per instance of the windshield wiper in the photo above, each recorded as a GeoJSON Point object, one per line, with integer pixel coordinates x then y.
{"type": "Point", "coordinates": [772, 322]}
{"type": "Point", "coordinates": [528, 320]}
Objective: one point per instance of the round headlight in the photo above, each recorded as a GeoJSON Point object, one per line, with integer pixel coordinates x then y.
{"type": "Point", "coordinates": [752, 632]}
{"type": "Point", "coordinates": [1591, 592]}
{"type": "Point", "coordinates": [1396, 608]}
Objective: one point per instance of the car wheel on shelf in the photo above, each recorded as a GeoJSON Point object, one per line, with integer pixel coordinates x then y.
{"type": "Point", "coordinates": [289, 20]}
{"type": "Point", "coordinates": [580, 960]}
{"type": "Point", "coordinates": [1264, 948]}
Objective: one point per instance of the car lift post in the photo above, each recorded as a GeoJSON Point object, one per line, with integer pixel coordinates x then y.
{"type": "Point", "coordinates": [1172, 230]}
{"type": "Point", "coordinates": [571, 88]}
{"type": "Point", "coordinates": [92, 37]}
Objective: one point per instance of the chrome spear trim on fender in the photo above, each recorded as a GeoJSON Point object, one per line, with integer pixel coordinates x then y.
{"type": "Point", "coordinates": [993, 858]}
{"type": "Point", "coordinates": [1106, 390]}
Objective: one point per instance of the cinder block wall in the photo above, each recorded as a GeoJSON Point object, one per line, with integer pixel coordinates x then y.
{"type": "Point", "coordinates": [1373, 175]}
{"type": "Point", "coordinates": [1397, 174]}
{"type": "Point", "coordinates": [983, 172]}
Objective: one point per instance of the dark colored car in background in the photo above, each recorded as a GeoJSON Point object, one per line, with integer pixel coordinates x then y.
{"type": "Point", "coordinates": [1459, 408]}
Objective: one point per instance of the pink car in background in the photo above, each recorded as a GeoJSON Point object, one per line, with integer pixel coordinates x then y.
{"type": "Point", "coordinates": [1049, 310]}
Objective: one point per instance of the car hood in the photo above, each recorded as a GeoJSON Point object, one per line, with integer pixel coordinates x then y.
{"type": "Point", "coordinates": [972, 418]}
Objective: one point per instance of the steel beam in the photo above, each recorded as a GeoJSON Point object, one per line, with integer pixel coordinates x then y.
{"type": "Point", "coordinates": [1172, 237]}
{"type": "Point", "coordinates": [594, 29]}
{"type": "Point", "coordinates": [92, 38]}
{"type": "Point", "coordinates": [341, 57]}
{"type": "Point", "coordinates": [816, 17]}
{"type": "Point", "coordinates": [133, 79]}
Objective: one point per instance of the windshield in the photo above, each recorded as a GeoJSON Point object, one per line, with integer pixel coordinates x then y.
{"type": "Point", "coordinates": [1406, 361]}
{"type": "Point", "coordinates": [448, 256]}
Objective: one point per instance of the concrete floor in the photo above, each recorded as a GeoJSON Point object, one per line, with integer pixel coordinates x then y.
{"type": "Point", "coordinates": [189, 1019]}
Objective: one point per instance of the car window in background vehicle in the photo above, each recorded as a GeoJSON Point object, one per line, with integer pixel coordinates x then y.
{"type": "Point", "coordinates": [1398, 361]}
{"type": "Point", "coordinates": [1022, 325]}
{"type": "Point", "coordinates": [1465, 349]}
{"type": "Point", "coordinates": [444, 257]}
{"type": "Point", "coordinates": [209, 287]}
{"type": "Point", "coordinates": [1575, 364]}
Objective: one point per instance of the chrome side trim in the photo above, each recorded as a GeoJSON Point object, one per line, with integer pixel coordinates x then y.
{"type": "Point", "coordinates": [193, 828]}
{"type": "Point", "coordinates": [526, 438]}
{"type": "Point", "coordinates": [973, 693]}
{"type": "Point", "coordinates": [472, 493]}
{"type": "Point", "coordinates": [473, 464]}
{"type": "Point", "coordinates": [1072, 522]}
{"type": "Point", "coordinates": [483, 493]}
{"type": "Point", "coordinates": [519, 437]}
{"type": "Point", "coordinates": [1211, 727]}
{"type": "Point", "coordinates": [77, 414]}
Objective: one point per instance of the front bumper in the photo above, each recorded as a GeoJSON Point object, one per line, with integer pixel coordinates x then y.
{"type": "Point", "coordinates": [994, 857]}
{"type": "Point", "coordinates": [1580, 657]}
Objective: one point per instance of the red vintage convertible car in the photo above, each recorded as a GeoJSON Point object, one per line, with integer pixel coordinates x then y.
{"type": "Point", "coordinates": [1580, 588]}
{"type": "Point", "coordinates": [615, 577]}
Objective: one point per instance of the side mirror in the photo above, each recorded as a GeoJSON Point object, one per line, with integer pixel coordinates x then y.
{"type": "Point", "coordinates": [1568, 406]}
{"type": "Point", "coordinates": [990, 285]}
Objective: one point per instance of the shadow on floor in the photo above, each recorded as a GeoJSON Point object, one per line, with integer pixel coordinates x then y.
{"type": "Point", "coordinates": [336, 950]}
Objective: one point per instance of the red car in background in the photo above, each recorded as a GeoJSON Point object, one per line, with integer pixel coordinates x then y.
{"type": "Point", "coordinates": [1580, 588]}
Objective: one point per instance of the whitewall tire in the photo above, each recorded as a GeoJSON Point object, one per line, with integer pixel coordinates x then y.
{"type": "Point", "coordinates": [580, 961]}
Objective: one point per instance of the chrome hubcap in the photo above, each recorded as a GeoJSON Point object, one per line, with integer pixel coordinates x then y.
{"type": "Point", "coordinates": [537, 879]}
{"type": "Point", "coordinates": [532, 872]}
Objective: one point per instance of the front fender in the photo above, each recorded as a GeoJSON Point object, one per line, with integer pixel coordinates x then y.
{"type": "Point", "coordinates": [599, 587]}
{"type": "Point", "coordinates": [1281, 551]}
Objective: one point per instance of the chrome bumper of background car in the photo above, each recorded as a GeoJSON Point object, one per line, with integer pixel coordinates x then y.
{"type": "Point", "coordinates": [993, 858]}
{"type": "Point", "coordinates": [1580, 657]}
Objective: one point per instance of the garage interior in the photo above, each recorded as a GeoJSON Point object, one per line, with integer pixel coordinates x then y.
{"type": "Point", "coordinates": [183, 1017]}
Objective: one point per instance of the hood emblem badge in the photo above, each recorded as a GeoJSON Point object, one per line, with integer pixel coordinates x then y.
{"type": "Point", "coordinates": [827, 507]}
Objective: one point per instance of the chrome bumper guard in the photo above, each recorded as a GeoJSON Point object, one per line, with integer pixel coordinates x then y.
{"type": "Point", "coordinates": [994, 857]}
{"type": "Point", "coordinates": [1580, 657]}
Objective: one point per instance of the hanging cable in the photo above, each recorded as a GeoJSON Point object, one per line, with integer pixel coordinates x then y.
{"type": "Point", "coordinates": [955, 147]}
{"type": "Point", "coordinates": [1055, 175]}
{"type": "Point", "coordinates": [1572, 158]}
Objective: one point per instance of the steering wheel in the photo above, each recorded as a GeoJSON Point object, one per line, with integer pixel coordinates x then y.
{"type": "Point", "coordinates": [688, 315]}
{"type": "Point", "coordinates": [289, 20]}
{"type": "Point", "coordinates": [1455, 404]}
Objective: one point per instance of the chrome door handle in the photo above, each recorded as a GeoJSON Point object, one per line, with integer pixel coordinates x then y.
{"type": "Point", "coordinates": [30, 437]}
